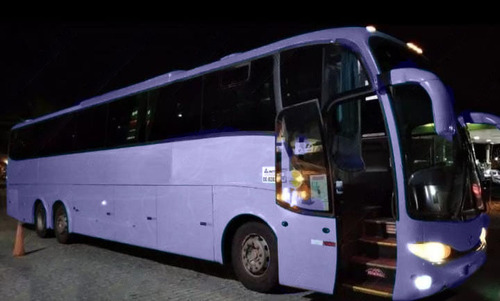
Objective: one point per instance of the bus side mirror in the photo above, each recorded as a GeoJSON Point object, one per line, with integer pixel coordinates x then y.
{"type": "Point", "coordinates": [442, 107]}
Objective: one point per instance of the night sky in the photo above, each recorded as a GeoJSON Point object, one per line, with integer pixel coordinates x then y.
{"type": "Point", "coordinates": [46, 66]}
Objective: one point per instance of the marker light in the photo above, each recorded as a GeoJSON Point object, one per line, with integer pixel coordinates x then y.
{"type": "Point", "coordinates": [423, 282]}
{"type": "Point", "coordinates": [434, 252]}
{"type": "Point", "coordinates": [415, 48]}
{"type": "Point", "coordinates": [371, 28]}
{"type": "Point", "coordinates": [476, 190]}
{"type": "Point", "coordinates": [482, 237]}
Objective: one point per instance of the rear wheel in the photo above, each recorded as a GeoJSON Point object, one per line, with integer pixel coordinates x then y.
{"type": "Point", "coordinates": [255, 258]}
{"type": "Point", "coordinates": [41, 221]}
{"type": "Point", "coordinates": [61, 225]}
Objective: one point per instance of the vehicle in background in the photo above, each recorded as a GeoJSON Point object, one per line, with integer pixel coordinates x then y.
{"type": "Point", "coordinates": [495, 176]}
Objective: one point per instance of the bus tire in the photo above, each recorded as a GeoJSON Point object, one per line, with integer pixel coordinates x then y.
{"type": "Point", "coordinates": [41, 221]}
{"type": "Point", "coordinates": [61, 228]}
{"type": "Point", "coordinates": [254, 256]}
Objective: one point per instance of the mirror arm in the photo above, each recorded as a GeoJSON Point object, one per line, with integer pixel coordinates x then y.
{"type": "Point", "coordinates": [441, 101]}
{"type": "Point", "coordinates": [383, 82]}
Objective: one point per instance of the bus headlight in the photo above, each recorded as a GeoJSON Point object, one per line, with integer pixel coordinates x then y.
{"type": "Point", "coordinates": [434, 252]}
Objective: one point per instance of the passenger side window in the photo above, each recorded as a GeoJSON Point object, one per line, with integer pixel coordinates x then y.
{"type": "Point", "coordinates": [56, 135]}
{"type": "Point", "coordinates": [240, 98]}
{"type": "Point", "coordinates": [174, 110]}
{"type": "Point", "coordinates": [49, 137]}
{"type": "Point", "coordinates": [90, 128]}
{"type": "Point", "coordinates": [124, 124]}
{"type": "Point", "coordinates": [301, 74]}
{"type": "Point", "coordinates": [322, 72]}
{"type": "Point", "coordinates": [22, 143]}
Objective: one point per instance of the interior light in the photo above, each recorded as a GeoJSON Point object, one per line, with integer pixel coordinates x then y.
{"type": "Point", "coordinates": [488, 140]}
{"type": "Point", "coordinates": [297, 178]}
{"type": "Point", "coordinates": [476, 137]}
{"type": "Point", "coordinates": [415, 48]}
{"type": "Point", "coordinates": [294, 199]}
{"type": "Point", "coordinates": [371, 28]}
{"type": "Point", "coordinates": [434, 252]}
{"type": "Point", "coordinates": [423, 282]}
{"type": "Point", "coordinates": [286, 195]}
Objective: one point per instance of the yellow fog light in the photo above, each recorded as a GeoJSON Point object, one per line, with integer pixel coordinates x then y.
{"type": "Point", "coordinates": [434, 252]}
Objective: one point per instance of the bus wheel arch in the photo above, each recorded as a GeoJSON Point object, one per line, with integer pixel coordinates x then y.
{"type": "Point", "coordinates": [251, 247]}
{"type": "Point", "coordinates": [40, 219]}
{"type": "Point", "coordinates": [61, 222]}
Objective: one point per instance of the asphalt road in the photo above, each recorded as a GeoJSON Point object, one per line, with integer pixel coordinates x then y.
{"type": "Point", "coordinates": [93, 269]}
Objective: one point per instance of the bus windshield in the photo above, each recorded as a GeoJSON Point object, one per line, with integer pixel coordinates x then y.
{"type": "Point", "coordinates": [441, 181]}
{"type": "Point", "coordinates": [391, 55]}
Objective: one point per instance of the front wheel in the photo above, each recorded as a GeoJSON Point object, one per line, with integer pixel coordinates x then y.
{"type": "Point", "coordinates": [254, 257]}
{"type": "Point", "coordinates": [61, 228]}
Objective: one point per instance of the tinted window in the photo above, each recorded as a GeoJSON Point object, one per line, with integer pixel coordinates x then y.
{"type": "Point", "coordinates": [391, 55]}
{"type": "Point", "coordinates": [320, 72]}
{"type": "Point", "coordinates": [301, 74]}
{"type": "Point", "coordinates": [174, 110]}
{"type": "Point", "coordinates": [124, 124]}
{"type": "Point", "coordinates": [372, 117]}
{"type": "Point", "coordinates": [233, 102]}
{"type": "Point", "coordinates": [23, 143]}
{"type": "Point", "coordinates": [46, 138]}
{"type": "Point", "coordinates": [91, 128]}
{"type": "Point", "coordinates": [235, 76]}
{"type": "Point", "coordinates": [55, 135]}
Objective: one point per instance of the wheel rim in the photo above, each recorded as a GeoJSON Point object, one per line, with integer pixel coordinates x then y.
{"type": "Point", "coordinates": [255, 254]}
{"type": "Point", "coordinates": [61, 224]}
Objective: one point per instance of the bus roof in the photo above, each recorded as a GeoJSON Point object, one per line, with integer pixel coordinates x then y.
{"type": "Point", "coordinates": [355, 34]}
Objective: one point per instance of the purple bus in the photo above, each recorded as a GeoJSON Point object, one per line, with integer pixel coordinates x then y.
{"type": "Point", "coordinates": [331, 160]}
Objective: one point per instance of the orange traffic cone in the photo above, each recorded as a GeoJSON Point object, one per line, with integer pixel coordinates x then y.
{"type": "Point", "coordinates": [19, 243]}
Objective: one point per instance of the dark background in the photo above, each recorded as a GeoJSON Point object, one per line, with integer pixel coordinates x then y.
{"type": "Point", "coordinates": [49, 65]}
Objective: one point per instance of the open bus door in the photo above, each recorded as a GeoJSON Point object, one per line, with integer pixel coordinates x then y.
{"type": "Point", "coordinates": [307, 234]}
